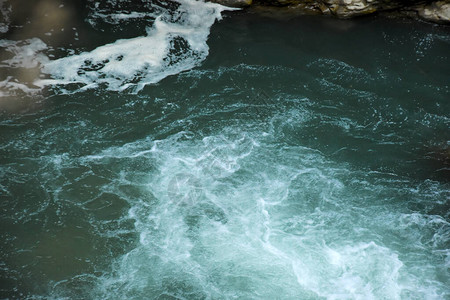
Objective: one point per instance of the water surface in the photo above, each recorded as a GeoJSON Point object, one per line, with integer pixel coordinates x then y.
{"type": "Point", "coordinates": [260, 158]}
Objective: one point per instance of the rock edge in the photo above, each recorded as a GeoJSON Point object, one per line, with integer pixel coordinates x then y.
{"type": "Point", "coordinates": [432, 11]}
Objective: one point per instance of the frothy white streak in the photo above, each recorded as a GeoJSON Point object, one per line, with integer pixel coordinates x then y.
{"type": "Point", "coordinates": [26, 55]}
{"type": "Point", "coordinates": [137, 62]}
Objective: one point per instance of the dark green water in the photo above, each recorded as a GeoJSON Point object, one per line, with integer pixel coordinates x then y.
{"type": "Point", "coordinates": [302, 158]}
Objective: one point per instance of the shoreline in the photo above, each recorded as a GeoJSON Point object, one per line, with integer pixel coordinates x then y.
{"type": "Point", "coordinates": [437, 12]}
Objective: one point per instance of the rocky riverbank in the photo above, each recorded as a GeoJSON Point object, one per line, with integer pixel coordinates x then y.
{"type": "Point", "coordinates": [433, 11]}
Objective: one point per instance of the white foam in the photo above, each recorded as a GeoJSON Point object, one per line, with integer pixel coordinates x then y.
{"type": "Point", "coordinates": [283, 222]}
{"type": "Point", "coordinates": [25, 56]}
{"type": "Point", "coordinates": [116, 18]}
{"type": "Point", "coordinates": [10, 87]}
{"type": "Point", "coordinates": [167, 49]}
{"type": "Point", "coordinates": [232, 239]}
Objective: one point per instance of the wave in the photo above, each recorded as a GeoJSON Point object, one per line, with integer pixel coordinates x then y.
{"type": "Point", "coordinates": [176, 42]}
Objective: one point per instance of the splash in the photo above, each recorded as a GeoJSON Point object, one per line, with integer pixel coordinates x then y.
{"type": "Point", "coordinates": [24, 59]}
{"type": "Point", "coordinates": [176, 42]}
{"type": "Point", "coordinates": [280, 223]}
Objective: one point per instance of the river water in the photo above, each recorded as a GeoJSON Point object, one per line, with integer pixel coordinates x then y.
{"type": "Point", "coordinates": [178, 150]}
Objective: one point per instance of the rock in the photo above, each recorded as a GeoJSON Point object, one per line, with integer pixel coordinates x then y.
{"type": "Point", "coordinates": [339, 8]}
{"type": "Point", "coordinates": [352, 8]}
{"type": "Point", "coordinates": [438, 12]}
{"type": "Point", "coordinates": [234, 3]}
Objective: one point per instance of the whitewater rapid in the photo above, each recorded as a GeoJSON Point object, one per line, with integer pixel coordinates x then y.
{"type": "Point", "coordinates": [241, 214]}
{"type": "Point", "coordinates": [175, 41]}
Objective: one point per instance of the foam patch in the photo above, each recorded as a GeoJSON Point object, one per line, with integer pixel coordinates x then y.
{"type": "Point", "coordinates": [176, 42]}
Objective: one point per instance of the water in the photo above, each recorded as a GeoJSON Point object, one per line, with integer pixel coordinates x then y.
{"type": "Point", "coordinates": [256, 158]}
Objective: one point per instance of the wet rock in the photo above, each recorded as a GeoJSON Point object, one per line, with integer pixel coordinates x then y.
{"type": "Point", "coordinates": [234, 3]}
{"type": "Point", "coordinates": [438, 12]}
{"type": "Point", "coordinates": [339, 8]}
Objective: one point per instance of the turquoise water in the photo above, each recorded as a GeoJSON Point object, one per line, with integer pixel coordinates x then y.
{"type": "Point", "coordinates": [257, 158]}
